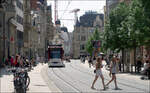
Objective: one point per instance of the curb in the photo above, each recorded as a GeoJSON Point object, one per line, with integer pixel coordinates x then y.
{"type": "Point", "coordinates": [50, 83]}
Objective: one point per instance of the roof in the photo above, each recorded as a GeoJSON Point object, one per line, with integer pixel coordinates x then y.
{"type": "Point", "coordinates": [64, 29]}
{"type": "Point", "coordinates": [87, 20]}
{"type": "Point", "coordinates": [57, 22]}
{"type": "Point", "coordinates": [55, 46]}
{"type": "Point", "coordinates": [49, 7]}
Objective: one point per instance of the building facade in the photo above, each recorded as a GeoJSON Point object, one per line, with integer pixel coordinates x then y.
{"type": "Point", "coordinates": [42, 27]}
{"type": "Point", "coordinates": [11, 28]}
{"type": "Point", "coordinates": [20, 29]}
{"type": "Point", "coordinates": [83, 30]}
{"type": "Point", "coordinates": [38, 35]}
{"type": "Point", "coordinates": [50, 25]}
{"type": "Point", "coordinates": [26, 28]}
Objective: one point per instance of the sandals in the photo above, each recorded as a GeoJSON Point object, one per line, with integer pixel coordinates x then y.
{"type": "Point", "coordinates": [93, 88]}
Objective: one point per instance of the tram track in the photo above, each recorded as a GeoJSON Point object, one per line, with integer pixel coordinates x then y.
{"type": "Point", "coordinates": [66, 81]}
{"type": "Point", "coordinates": [85, 72]}
{"type": "Point", "coordinates": [77, 80]}
{"type": "Point", "coordinates": [117, 78]}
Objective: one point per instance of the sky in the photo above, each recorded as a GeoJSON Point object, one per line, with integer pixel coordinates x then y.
{"type": "Point", "coordinates": [66, 6]}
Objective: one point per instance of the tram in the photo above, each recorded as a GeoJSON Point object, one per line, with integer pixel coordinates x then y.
{"type": "Point", "coordinates": [55, 56]}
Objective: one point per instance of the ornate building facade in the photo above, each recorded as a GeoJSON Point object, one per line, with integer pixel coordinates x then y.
{"type": "Point", "coordinates": [83, 30]}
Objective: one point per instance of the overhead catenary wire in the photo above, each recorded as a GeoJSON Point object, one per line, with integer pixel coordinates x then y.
{"type": "Point", "coordinates": [82, 0]}
{"type": "Point", "coordinates": [80, 10]}
{"type": "Point", "coordinates": [66, 8]}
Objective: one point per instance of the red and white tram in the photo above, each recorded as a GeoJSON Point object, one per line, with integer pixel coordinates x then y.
{"type": "Point", "coordinates": [55, 56]}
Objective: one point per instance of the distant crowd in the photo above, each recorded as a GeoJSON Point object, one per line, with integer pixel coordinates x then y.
{"type": "Point", "coordinates": [19, 61]}
{"type": "Point", "coordinates": [112, 65]}
{"type": "Point", "coordinates": [142, 64]}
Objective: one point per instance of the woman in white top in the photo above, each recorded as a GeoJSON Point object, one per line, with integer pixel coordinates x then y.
{"type": "Point", "coordinates": [98, 72]}
{"type": "Point", "coordinates": [113, 71]}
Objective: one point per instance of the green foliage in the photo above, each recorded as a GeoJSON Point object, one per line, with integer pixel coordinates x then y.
{"type": "Point", "coordinates": [114, 36]}
{"type": "Point", "coordinates": [139, 24]}
{"type": "Point", "coordinates": [89, 47]}
{"type": "Point", "coordinates": [128, 26]}
{"type": "Point", "coordinates": [146, 6]}
{"type": "Point", "coordinates": [96, 36]}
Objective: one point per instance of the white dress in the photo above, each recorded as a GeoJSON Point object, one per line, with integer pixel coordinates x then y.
{"type": "Point", "coordinates": [99, 72]}
{"type": "Point", "coordinates": [114, 67]}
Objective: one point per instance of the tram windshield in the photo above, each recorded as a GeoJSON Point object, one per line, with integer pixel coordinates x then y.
{"type": "Point", "coordinates": [55, 54]}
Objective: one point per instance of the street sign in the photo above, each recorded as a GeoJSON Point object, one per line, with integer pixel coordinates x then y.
{"type": "Point", "coordinates": [96, 43]}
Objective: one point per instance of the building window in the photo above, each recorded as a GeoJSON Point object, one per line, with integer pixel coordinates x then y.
{"type": "Point", "coordinates": [82, 47]}
{"type": "Point", "coordinates": [83, 38]}
{"type": "Point", "coordinates": [78, 38]}
{"type": "Point", "coordinates": [19, 19]}
{"type": "Point", "coordinates": [19, 38]}
{"type": "Point", "coordinates": [83, 30]}
{"type": "Point", "coordinates": [78, 30]}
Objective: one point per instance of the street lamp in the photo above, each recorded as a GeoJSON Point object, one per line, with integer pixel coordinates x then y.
{"type": "Point", "coordinates": [0, 23]}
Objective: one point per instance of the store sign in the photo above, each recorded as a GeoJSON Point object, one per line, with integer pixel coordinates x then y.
{"type": "Point", "coordinates": [96, 43]}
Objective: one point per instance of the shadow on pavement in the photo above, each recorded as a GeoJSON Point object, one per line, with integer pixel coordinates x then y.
{"type": "Point", "coordinates": [40, 85]}
{"type": "Point", "coordinates": [3, 71]}
{"type": "Point", "coordinates": [56, 66]}
{"type": "Point", "coordinates": [117, 89]}
{"type": "Point", "coordinates": [130, 73]}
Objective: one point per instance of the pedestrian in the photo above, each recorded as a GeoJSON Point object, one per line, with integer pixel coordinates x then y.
{"type": "Point", "coordinates": [90, 61]}
{"type": "Point", "coordinates": [113, 71]}
{"type": "Point", "coordinates": [16, 63]}
{"type": "Point", "coordinates": [139, 65]}
{"type": "Point", "coordinates": [7, 62]}
{"type": "Point", "coordinates": [98, 72]}
{"type": "Point", "coordinates": [32, 63]}
{"type": "Point", "coordinates": [21, 61]}
{"type": "Point", "coordinates": [107, 61]}
{"type": "Point", "coordinates": [94, 61]}
{"type": "Point", "coordinates": [11, 61]}
{"type": "Point", "coordinates": [27, 62]}
{"type": "Point", "coordinates": [83, 59]}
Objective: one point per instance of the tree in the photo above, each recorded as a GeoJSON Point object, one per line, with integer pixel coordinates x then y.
{"type": "Point", "coordinates": [89, 47]}
{"type": "Point", "coordinates": [96, 36]}
{"type": "Point", "coordinates": [138, 25]}
{"type": "Point", "coordinates": [116, 38]}
{"type": "Point", "coordinates": [128, 27]}
{"type": "Point", "coordinates": [145, 4]}
{"type": "Point", "coordinates": [115, 35]}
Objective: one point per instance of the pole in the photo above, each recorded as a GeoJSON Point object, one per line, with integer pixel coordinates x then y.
{"type": "Point", "coordinates": [107, 8]}
{"type": "Point", "coordinates": [135, 60]}
{"type": "Point", "coordinates": [4, 36]}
